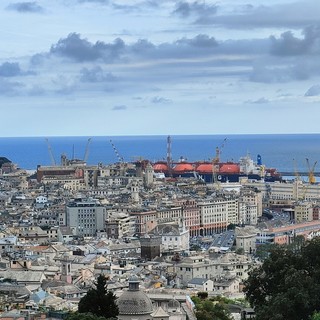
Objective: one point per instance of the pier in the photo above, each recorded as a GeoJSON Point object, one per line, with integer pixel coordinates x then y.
{"type": "Point", "coordinates": [303, 173]}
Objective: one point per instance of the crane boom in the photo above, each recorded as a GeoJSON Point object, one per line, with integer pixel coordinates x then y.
{"type": "Point", "coordinates": [312, 178]}
{"type": "Point", "coordinates": [218, 151]}
{"type": "Point", "coordinates": [296, 172]}
{"type": "Point", "coordinates": [86, 154]}
{"type": "Point", "coordinates": [120, 158]}
{"type": "Point", "coordinates": [53, 161]}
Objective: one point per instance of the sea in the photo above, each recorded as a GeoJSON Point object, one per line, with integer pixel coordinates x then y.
{"type": "Point", "coordinates": [285, 152]}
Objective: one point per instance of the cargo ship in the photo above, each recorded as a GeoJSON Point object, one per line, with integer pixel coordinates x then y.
{"type": "Point", "coordinates": [219, 171]}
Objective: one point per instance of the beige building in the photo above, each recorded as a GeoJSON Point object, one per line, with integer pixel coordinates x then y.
{"type": "Point", "coordinates": [246, 238]}
{"type": "Point", "coordinates": [201, 267]}
{"type": "Point", "coordinates": [215, 215]}
{"type": "Point", "coordinates": [251, 206]}
{"type": "Point", "coordinates": [303, 211]}
{"type": "Point", "coordinates": [285, 193]}
{"type": "Point", "coordinates": [123, 224]}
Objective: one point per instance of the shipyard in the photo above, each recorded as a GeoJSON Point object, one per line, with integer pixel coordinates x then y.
{"type": "Point", "coordinates": [176, 228]}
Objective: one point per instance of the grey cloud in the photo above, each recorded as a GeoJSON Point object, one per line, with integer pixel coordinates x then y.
{"type": "Point", "coordinates": [160, 100]}
{"type": "Point", "coordinates": [201, 41]}
{"type": "Point", "coordinates": [9, 88]}
{"type": "Point", "coordinates": [94, 1]}
{"type": "Point", "coordinates": [137, 7]}
{"type": "Point", "coordinates": [36, 91]}
{"type": "Point", "coordinates": [64, 85]}
{"type": "Point", "coordinates": [313, 91]}
{"type": "Point", "coordinates": [186, 9]}
{"type": "Point", "coordinates": [81, 50]}
{"type": "Point", "coordinates": [31, 7]}
{"type": "Point", "coordinates": [270, 74]}
{"type": "Point", "coordinates": [296, 15]}
{"type": "Point", "coordinates": [119, 108]}
{"type": "Point", "coordinates": [142, 45]}
{"type": "Point", "coordinates": [10, 69]}
{"type": "Point", "coordinates": [288, 44]}
{"type": "Point", "coordinates": [96, 74]}
{"type": "Point", "coordinates": [38, 59]}
{"type": "Point", "coordinates": [289, 68]}
{"type": "Point", "coordinates": [199, 57]}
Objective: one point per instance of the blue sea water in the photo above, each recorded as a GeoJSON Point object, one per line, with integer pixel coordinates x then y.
{"type": "Point", "coordinates": [277, 151]}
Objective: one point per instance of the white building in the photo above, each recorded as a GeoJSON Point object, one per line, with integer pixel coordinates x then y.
{"type": "Point", "coordinates": [174, 238]}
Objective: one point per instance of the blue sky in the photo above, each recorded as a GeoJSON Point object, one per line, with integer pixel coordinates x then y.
{"type": "Point", "coordinates": [148, 67]}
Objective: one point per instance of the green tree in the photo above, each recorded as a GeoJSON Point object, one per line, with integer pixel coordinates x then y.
{"type": "Point", "coordinates": [263, 251]}
{"type": "Point", "coordinates": [99, 301]}
{"type": "Point", "coordinates": [287, 284]}
{"type": "Point", "coordinates": [210, 309]}
{"type": "Point", "coordinates": [202, 294]}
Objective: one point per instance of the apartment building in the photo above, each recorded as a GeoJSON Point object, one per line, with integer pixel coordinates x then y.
{"type": "Point", "coordinates": [85, 216]}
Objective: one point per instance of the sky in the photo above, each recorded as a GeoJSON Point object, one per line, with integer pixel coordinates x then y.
{"type": "Point", "coordinates": [151, 67]}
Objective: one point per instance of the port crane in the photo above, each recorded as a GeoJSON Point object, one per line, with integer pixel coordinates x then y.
{"type": "Point", "coordinates": [120, 158]}
{"type": "Point", "coordinates": [86, 153]}
{"type": "Point", "coordinates": [53, 161]}
{"type": "Point", "coordinates": [169, 156]}
{"type": "Point", "coordinates": [296, 172]}
{"type": "Point", "coordinates": [312, 178]}
{"type": "Point", "coordinates": [216, 160]}
{"type": "Point", "coordinates": [218, 151]}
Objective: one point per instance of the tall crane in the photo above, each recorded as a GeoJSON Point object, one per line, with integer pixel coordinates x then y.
{"type": "Point", "coordinates": [296, 172]}
{"type": "Point", "coordinates": [120, 158]}
{"type": "Point", "coordinates": [169, 156]}
{"type": "Point", "coordinates": [215, 162]}
{"type": "Point", "coordinates": [298, 183]}
{"type": "Point", "coordinates": [312, 178]}
{"type": "Point", "coordinates": [86, 153]}
{"type": "Point", "coordinates": [53, 161]}
{"type": "Point", "coordinates": [218, 151]}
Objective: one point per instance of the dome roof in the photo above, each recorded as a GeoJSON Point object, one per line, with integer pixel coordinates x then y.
{"type": "Point", "coordinates": [160, 167]}
{"type": "Point", "coordinates": [229, 168]}
{"type": "Point", "coordinates": [174, 304]}
{"type": "Point", "coordinates": [205, 168]}
{"type": "Point", "coordinates": [134, 302]}
{"type": "Point", "coordinates": [183, 167]}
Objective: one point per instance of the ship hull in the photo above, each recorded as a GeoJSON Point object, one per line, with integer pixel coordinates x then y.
{"type": "Point", "coordinates": [225, 177]}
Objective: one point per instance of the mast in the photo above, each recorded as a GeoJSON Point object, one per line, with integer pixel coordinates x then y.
{"type": "Point", "coordinates": [169, 156]}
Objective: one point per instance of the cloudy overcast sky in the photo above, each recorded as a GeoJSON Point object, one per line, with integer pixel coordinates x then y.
{"type": "Point", "coordinates": [141, 67]}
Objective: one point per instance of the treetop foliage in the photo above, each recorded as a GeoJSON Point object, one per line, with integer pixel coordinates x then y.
{"type": "Point", "coordinates": [99, 301]}
{"type": "Point", "coordinates": [287, 284]}
{"type": "Point", "coordinates": [212, 308]}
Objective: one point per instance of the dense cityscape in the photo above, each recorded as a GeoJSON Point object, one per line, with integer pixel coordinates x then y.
{"type": "Point", "coordinates": [223, 224]}
{"type": "Point", "coordinates": [159, 238]}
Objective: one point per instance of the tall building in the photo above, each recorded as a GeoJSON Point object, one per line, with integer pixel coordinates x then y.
{"type": "Point", "coordinates": [85, 216]}
{"type": "Point", "coordinates": [148, 177]}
